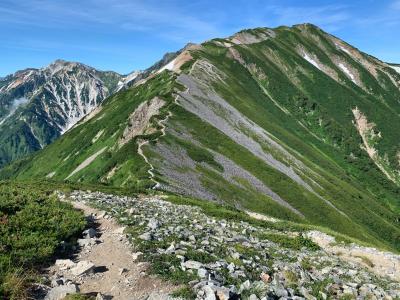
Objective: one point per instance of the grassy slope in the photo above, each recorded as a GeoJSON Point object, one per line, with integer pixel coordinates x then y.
{"type": "Point", "coordinates": [353, 188]}
{"type": "Point", "coordinates": [356, 187]}
{"type": "Point", "coordinates": [68, 152]}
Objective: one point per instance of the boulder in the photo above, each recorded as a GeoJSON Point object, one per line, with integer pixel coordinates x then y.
{"type": "Point", "coordinates": [153, 224]}
{"type": "Point", "coordinates": [266, 278]}
{"type": "Point", "coordinates": [147, 236]}
{"type": "Point", "coordinates": [209, 293]}
{"type": "Point", "coordinates": [89, 233]}
{"type": "Point", "coordinates": [245, 286]}
{"type": "Point", "coordinates": [82, 267]}
{"type": "Point", "coordinates": [223, 293]}
{"type": "Point", "coordinates": [59, 292]}
{"type": "Point", "coordinates": [192, 264]}
{"type": "Point", "coordinates": [202, 273]}
{"type": "Point", "coordinates": [86, 242]}
{"type": "Point", "coordinates": [102, 214]}
{"type": "Point", "coordinates": [99, 296]}
{"type": "Point", "coordinates": [158, 296]}
{"type": "Point", "coordinates": [57, 282]}
{"type": "Point", "coordinates": [65, 264]}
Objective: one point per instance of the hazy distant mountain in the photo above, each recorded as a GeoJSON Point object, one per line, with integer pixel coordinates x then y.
{"type": "Point", "coordinates": [38, 105]}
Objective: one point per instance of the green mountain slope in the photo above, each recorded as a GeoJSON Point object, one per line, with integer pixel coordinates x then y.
{"type": "Point", "coordinates": [290, 122]}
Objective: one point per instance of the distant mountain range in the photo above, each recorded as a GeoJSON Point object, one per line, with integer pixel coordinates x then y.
{"type": "Point", "coordinates": [38, 105]}
{"type": "Point", "coordinates": [290, 122]}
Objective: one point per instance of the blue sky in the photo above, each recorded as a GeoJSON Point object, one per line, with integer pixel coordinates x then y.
{"type": "Point", "coordinates": [126, 35]}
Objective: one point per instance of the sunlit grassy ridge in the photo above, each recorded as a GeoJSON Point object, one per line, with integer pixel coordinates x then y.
{"type": "Point", "coordinates": [305, 110]}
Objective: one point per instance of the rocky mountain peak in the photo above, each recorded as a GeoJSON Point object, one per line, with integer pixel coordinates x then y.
{"type": "Point", "coordinates": [59, 95]}
{"type": "Point", "coordinates": [65, 66]}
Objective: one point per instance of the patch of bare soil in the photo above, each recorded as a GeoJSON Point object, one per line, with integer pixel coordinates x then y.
{"type": "Point", "coordinates": [115, 274]}
{"type": "Point", "coordinates": [380, 262]}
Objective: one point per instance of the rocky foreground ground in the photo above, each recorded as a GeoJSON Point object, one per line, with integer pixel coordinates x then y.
{"type": "Point", "coordinates": [210, 258]}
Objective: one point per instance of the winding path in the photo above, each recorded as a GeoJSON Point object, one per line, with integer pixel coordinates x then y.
{"type": "Point", "coordinates": [141, 143]}
{"type": "Point", "coordinates": [119, 276]}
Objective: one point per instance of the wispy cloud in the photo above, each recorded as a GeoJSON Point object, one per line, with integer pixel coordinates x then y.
{"type": "Point", "coordinates": [101, 30]}
{"type": "Point", "coordinates": [395, 5]}
{"type": "Point", "coordinates": [165, 19]}
{"type": "Point", "coordinates": [332, 16]}
{"type": "Point", "coordinates": [386, 17]}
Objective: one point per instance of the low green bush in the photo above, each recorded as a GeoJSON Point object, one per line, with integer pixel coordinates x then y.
{"type": "Point", "coordinates": [296, 243]}
{"type": "Point", "coordinates": [168, 267]}
{"type": "Point", "coordinates": [32, 225]}
{"type": "Point", "coordinates": [184, 293]}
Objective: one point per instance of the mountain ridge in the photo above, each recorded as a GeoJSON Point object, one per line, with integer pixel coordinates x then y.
{"type": "Point", "coordinates": [289, 122]}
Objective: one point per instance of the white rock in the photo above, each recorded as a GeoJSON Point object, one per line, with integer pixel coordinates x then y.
{"type": "Point", "coordinates": [153, 224]}
{"type": "Point", "coordinates": [222, 293]}
{"type": "Point", "coordinates": [59, 292]}
{"type": "Point", "coordinates": [202, 273]}
{"type": "Point", "coordinates": [86, 242]}
{"type": "Point", "coordinates": [82, 267]}
{"type": "Point", "coordinates": [102, 214]}
{"type": "Point", "coordinates": [136, 255]}
{"type": "Point", "coordinates": [245, 285]}
{"type": "Point", "coordinates": [192, 264]}
{"type": "Point", "coordinates": [57, 282]}
{"type": "Point", "coordinates": [147, 236]}
{"type": "Point", "coordinates": [208, 293]}
{"type": "Point", "coordinates": [122, 270]}
{"type": "Point", "coordinates": [99, 296]}
{"type": "Point", "coordinates": [64, 264]}
{"type": "Point", "coordinates": [158, 296]}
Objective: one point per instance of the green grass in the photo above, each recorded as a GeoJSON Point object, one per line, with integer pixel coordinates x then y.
{"type": "Point", "coordinates": [184, 293]}
{"type": "Point", "coordinates": [295, 243]}
{"type": "Point", "coordinates": [199, 256]}
{"type": "Point", "coordinates": [32, 225]}
{"type": "Point", "coordinates": [230, 213]}
{"type": "Point", "coordinates": [168, 267]}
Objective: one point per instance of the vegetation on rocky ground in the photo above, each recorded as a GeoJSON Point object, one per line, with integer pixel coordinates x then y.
{"type": "Point", "coordinates": [208, 254]}
{"type": "Point", "coordinates": [33, 224]}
